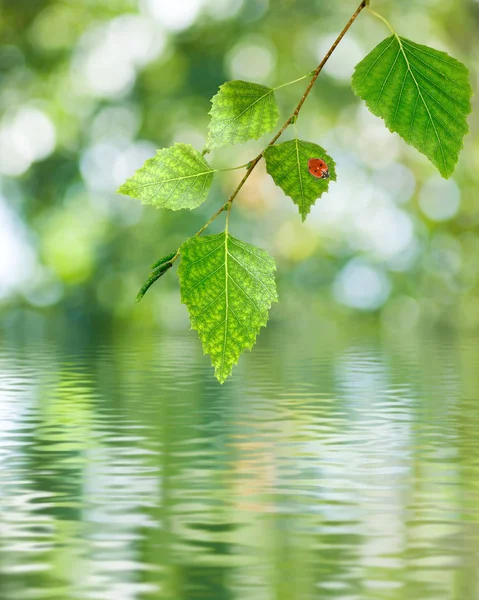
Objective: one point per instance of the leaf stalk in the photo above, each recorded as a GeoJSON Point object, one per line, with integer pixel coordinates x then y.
{"type": "Point", "coordinates": [291, 82]}
{"type": "Point", "coordinates": [381, 18]}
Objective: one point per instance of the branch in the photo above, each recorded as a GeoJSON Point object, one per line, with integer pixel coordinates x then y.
{"type": "Point", "coordinates": [252, 164]}
{"type": "Point", "coordinates": [291, 119]}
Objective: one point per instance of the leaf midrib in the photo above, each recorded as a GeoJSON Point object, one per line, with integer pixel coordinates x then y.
{"type": "Point", "coordinates": [424, 102]}
{"type": "Point", "coordinates": [300, 177]}
{"type": "Point", "coordinates": [228, 255]}
{"type": "Point", "coordinates": [408, 66]}
{"type": "Point", "coordinates": [227, 303]}
{"type": "Point", "coordinates": [156, 181]}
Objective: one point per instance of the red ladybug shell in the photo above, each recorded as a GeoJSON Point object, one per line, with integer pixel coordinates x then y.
{"type": "Point", "coordinates": [318, 168]}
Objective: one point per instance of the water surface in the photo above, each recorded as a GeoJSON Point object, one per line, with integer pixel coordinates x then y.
{"type": "Point", "coordinates": [324, 469]}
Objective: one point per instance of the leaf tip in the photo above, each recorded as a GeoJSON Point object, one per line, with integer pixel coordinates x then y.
{"type": "Point", "coordinates": [123, 189]}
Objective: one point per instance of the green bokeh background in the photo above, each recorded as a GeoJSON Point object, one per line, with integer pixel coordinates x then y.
{"type": "Point", "coordinates": [340, 460]}
{"type": "Point", "coordinates": [90, 89]}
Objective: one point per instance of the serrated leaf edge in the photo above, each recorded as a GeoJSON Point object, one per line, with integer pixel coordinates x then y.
{"type": "Point", "coordinates": [207, 147]}
{"type": "Point", "coordinates": [390, 123]}
{"type": "Point", "coordinates": [298, 142]}
{"type": "Point", "coordinates": [126, 187]}
{"type": "Point", "coordinates": [262, 325]}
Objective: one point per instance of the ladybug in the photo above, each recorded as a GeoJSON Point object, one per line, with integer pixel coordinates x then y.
{"type": "Point", "coordinates": [318, 168]}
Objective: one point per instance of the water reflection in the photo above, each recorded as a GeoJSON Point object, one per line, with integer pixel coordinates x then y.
{"type": "Point", "coordinates": [342, 470]}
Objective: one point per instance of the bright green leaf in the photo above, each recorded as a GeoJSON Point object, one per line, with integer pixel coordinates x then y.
{"type": "Point", "coordinates": [287, 163]}
{"type": "Point", "coordinates": [421, 93]}
{"type": "Point", "coordinates": [241, 111]}
{"type": "Point", "coordinates": [177, 177]}
{"type": "Point", "coordinates": [228, 287]}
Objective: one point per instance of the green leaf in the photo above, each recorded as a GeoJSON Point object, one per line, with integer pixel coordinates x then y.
{"type": "Point", "coordinates": [177, 177]}
{"type": "Point", "coordinates": [157, 273]}
{"type": "Point", "coordinates": [241, 111]}
{"type": "Point", "coordinates": [287, 163]}
{"type": "Point", "coordinates": [228, 287]}
{"type": "Point", "coordinates": [163, 260]}
{"type": "Point", "coordinates": [421, 93]}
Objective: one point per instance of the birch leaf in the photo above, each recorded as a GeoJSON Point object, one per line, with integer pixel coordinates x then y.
{"type": "Point", "coordinates": [421, 93]}
{"type": "Point", "coordinates": [287, 163]}
{"type": "Point", "coordinates": [228, 287]}
{"type": "Point", "coordinates": [177, 177]}
{"type": "Point", "coordinates": [241, 111]}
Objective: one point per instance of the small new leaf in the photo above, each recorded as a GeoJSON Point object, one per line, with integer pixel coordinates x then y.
{"type": "Point", "coordinates": [287, 163]}
{"type": "Point", "coordinates": [157, 273]}
{"type": "Point", "coordinates": [228, 287]}
{"type": "Point", "coordinates": [163, 260]}
{"type": "Point", "coordinates": [241, 111]}
{"type": "Point", "coordinates": [177, 177]}
{"type": "Point", "coordinates": [421, 93]}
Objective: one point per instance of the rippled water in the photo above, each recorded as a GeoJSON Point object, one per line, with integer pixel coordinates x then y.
{"type": "Point", "coordinates": [324, 470]}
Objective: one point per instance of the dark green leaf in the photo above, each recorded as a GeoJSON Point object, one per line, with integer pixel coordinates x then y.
{"type": "Point", "coordinates": [163, 260]}
{"type": "Point", "coordinates": [287, 163]}
{"type": "Point", "coordinates": [159, 272]}
{"type": "Point", "coordinates": [421, 93]}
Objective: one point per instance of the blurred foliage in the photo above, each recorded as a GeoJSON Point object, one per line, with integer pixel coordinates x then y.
{"type": "Point", "coordinates": [91, 89]}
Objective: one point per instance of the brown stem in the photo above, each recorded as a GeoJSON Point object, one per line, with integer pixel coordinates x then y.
{"type": "Point", "coordinates": [291, 119]}
{"type": "Point", "coordinates": [323, 62]}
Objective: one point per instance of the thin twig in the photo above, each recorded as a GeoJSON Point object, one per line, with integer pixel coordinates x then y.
{"type": "Point", "coordinates": [291, 119]}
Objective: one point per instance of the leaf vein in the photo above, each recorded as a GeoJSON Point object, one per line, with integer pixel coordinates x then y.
{"type": "Point", "coordinates": [204, 279]}
{"type": "Point", "coordinates": [203, 310]}
{"type": "Point", "coordinates": [387, 78]}
{"type": "Point", "coordinates": [246, 295]}
{"type": "Point", "coordinates": [253, 276]}
{"type": "Point", "coordinates": [374, 63]}
{"type": "Point", "coordinates": [424, 102]}
{"type": "Point", "coordinates": [249, 107]}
